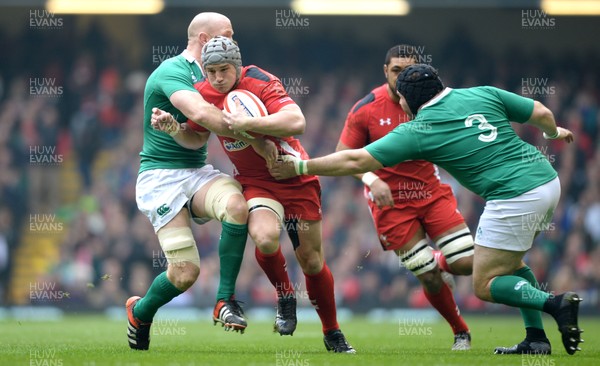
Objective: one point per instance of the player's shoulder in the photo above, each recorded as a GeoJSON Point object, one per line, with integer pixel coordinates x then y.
{"type": "Point", "coordinates": [176, 65]}
{"type": "Point", "coordinates": [484, 93]}
{"type": "Point", "coordinates": [475, 90]}
{"type": "Point", "coordinates": [255, 72]}
{"type": "Point", "coordinates": [364, 101]}
{"type": "Point", "coordinates": [173, 63]}
{"type": "Point", "coordinates": [369, 100]}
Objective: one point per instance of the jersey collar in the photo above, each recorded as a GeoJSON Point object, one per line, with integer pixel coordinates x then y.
{"type": "Point", "coordinates": [191, 59]}
{"type": "Point", "coordinates": [444, 92]}
{"type": "Point", "coordinates": [188, 56]}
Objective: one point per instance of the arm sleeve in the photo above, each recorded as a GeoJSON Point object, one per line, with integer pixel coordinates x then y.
{"type": "Point", "coordinates": [395, 147]}
{"type": "Point", "coordinates": [355, 133]}
{"type": "Point", "coordinates": [173, 79]}
{"type": "Point", "coordinates": [518, 108]}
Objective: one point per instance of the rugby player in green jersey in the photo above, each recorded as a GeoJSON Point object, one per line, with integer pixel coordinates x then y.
{"type": "Point", "coordinates": [176, 185]}
{"type": "Point", "coordinates": [468, 133]}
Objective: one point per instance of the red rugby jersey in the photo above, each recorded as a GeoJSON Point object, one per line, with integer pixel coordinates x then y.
{"type": "Point", "coordinates": [370, 119]}
{"type": "Point", "coordinates": [269, 89]}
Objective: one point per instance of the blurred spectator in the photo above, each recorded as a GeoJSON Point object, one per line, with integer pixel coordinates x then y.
{"type": "Point", "coordinates": [86, 139]}
{"type": "Point", "coordinates": [42, 125]}
{"type": "Point", "coordinates": [7, 240]}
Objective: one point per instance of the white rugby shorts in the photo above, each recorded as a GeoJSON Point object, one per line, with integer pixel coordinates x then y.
{"type": "Point", "coordinates": [161, 193]}
{"type": "Point", "coordinates": [511, 224]}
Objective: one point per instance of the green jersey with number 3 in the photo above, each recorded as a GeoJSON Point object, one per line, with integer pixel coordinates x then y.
{"type": "Point", "coordinates": [160, 151]}
{"type": "Point", "coordinates": [468, 133]}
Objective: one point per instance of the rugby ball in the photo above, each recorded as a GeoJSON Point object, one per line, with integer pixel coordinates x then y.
{"type": "Point", "coordinates": [249, 102]}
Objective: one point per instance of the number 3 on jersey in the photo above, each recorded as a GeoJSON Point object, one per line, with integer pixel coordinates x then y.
{"type": "Point", "coordinates": [483, 125]}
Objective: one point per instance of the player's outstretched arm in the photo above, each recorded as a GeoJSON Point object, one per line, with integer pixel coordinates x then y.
{"type": "Point", "coordinates": [288, 121]}
{"type": "Point", "coordinates": [380, 191]}
{"type": "Point", "coordinates": [543, 118]}
{"type": "Point", "coordinates": [345, 162]}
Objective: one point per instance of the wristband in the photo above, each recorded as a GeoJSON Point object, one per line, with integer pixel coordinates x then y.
{"type": "Point", "coordinates": [553, 137]}
{"type": "Point", "coordinates": [300, 167]}
{"type": "Point", "coordinates": [368, 178]}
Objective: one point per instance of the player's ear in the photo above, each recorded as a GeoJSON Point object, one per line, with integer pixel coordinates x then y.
{"type": "Point", "coordinates": [203, 38]}
{"type": "Point", "coordinates": [385, 70]}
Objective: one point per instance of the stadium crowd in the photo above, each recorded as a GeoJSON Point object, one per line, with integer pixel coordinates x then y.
{"type": "Point", "coordinates": [108, 250]}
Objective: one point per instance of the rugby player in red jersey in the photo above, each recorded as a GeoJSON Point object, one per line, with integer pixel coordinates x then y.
{"type": "Point", "coordinates": [408, 201]}
{"type": "Point", "coordinates": [293, 204]}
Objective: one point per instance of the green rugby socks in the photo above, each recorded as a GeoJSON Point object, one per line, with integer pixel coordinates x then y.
{"type": "Point", "coordinates": [161, 291]}
{"type": "Point", "coordinates": [231, 253]}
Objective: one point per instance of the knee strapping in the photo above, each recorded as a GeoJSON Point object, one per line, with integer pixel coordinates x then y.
{"type": "Point", "coordinates": [456, 245]}
{"type": "Point", "coordinates": [260, 203]}
{"type": "Point", "coordinates": [218, 196]}
{"type": "Point", "coordinates": [419, 259]}
{"type": "Point", "coordinates": [179, 245]}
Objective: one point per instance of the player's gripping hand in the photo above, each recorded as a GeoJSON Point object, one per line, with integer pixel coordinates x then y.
{"type": "Point", "coordinates": [381, 194]}
{"type": "Point", "coordinates": [238, 121]}
{"type": "Point", "coordinates": [164, 121]}
{"type": "Point", "coordinates": [284, 167]}
{"type": "Point", "coordinates": [561, 134]}
{"type": "Point", "coordinates": [267, 149]}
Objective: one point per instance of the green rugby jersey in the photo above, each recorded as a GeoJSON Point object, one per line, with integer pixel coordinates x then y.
{"type": "Point", "coordinates": [160, 151]}
{"type": "Point", "coordinates": [468, 133]}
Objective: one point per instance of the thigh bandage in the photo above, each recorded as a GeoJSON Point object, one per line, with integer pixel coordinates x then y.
{"type": "Point", "coordinates": [419, 259]}
{"type": "Point", "coordinates": [456, 245]}
{"type": "Point", "coordinates": [260, 203]}
{"type": "Point", "coordinates": [179, 245]}
{"type": "Point", "coordinates": [217, 196]}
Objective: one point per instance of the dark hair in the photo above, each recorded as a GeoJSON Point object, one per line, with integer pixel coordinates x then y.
{"type": "Point", "coordinates": [402, 50]}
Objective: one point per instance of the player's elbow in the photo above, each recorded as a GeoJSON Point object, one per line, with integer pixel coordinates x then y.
{"type": "Point", "coordinates": [541, 112]}
{"type": "Point", "coordinates": [198, 115]}
{"type": "Point", "coordinates": [355, 167]}
{"type": "Point", "coordinates": [192, 146]}
{"type": "Point", "coordinates": [360, 161]}
{"type": "Point", "coordinates": [297, 125]}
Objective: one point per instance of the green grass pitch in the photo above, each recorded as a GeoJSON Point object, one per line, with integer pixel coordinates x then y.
{"type": "Point", "coordinates": [95, 341]}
